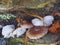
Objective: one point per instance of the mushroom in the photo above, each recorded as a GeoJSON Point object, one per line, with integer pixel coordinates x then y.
{"type": "Point", "coordinates": [26, 24]}
{"type": "Point", "coordinates": [37, 22]}
{"type": "Point", "coordinates": [23, 23]}
{"type": "Point", "coordinates": [38, 19]}
{"type": "Point", "coordinates": [7, 30]}
{"type": "Point", "coordinates": [19, 31]}
{"type": "Point", "coordinates": [48, 20]}
{"type": "Point", "coordinates": [37, 32]}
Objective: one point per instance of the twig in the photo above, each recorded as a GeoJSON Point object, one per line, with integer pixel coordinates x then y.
{"type": "Point", "coordinates": [29, 14]}
{"type": "Point", "coordinates": [26, 39]}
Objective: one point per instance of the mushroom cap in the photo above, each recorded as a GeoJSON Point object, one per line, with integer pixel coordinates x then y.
{"type": "Point", "coordinates": [26, 24]}
{"type": "Point", "coordinates": [7, 30]}
{"type": "Point", "coordinates": [37, 32]}
{"type": "Point", "coordinates": [49, 17]}
{"type": "Point", "coordinates": [48, 20]}
{"type": "Point", "coordinates": [19, 31]}
{"type": "Point", "coordinates": [37, 22]}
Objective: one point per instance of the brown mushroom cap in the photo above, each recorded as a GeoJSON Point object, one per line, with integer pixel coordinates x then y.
{"type": "Point", "coordinates": [26, 24]}
{"type": "Point", "coordinates": [37, 32]}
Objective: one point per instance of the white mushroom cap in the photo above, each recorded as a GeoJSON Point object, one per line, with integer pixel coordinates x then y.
{"type": "Point", "coordinates": [19, 31]}
{"type": "Point", "coordinates": [8, 36]}
{"type": "Point", "coordinates": [37, 32]}
{"type": "Point", "coordinates": [7, 30]}
{"type": "Point", "coordinates": [48, 20]}
{"type": "Point", "coordinates": [37, 22]}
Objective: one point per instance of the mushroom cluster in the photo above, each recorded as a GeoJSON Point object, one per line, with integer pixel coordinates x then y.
{"type": "Point", "coordinates": [37, 28]}
{"type": "Point", "coordinates": [46, 21]}
{"type": "Point", "coordinates": [20, 30]}
{"type": "Point", "coordinates": [40, 27]}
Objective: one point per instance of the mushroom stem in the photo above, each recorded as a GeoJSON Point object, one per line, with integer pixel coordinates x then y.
{"type": "Point", "coordinates": [29, 14]}
{"type": "Point", "coordinates": [19, 20]}
{"type": "Point", "coordinates": [26, 39]}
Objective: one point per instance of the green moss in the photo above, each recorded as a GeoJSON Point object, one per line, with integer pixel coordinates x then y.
{"type": "Point", "coordinates": [59, 43]}
{"type": "Point", "coordinates": [15, 40]}
{"type": "Point", "coordinates": [7, 16]}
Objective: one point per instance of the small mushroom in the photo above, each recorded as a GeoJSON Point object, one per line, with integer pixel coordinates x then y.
{"type": "Point", "coordinates": [26, 24]}
{"type": "Point", "coordinates": [19, 31]}
{"type": "Point", "coordinates": [37, 32]}
{"type": "Point", "coordinates": [37, 22]}
{"type": "Point", "coordinates": [48, 20]}
{"type": "Point", "coordinates": [7, 30]}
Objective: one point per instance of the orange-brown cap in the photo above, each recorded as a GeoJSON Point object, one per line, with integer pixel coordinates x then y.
{"type": "Point", "coordinates": [37, 32]}
{"type": "Point", "coordinates": [26, 24]}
